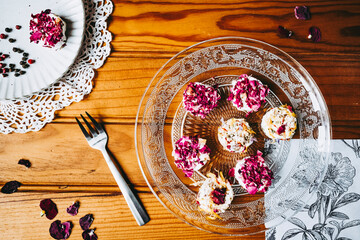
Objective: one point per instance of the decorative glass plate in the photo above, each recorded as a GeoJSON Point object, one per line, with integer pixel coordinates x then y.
{"type": "Point", "coordinates": [50, 64]}
{"type": "Point", "coordinates": [162, 120]}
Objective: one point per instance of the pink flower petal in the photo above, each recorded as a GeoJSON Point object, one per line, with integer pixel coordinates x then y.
{"type": "Point", "coordinates": [73, 209]}
{"type": "Point", "coordinates": [49, 207]}
{"type": "Point", "coordinates": [60, 230]}
{"type": "Point", "coordinates": [314, 34]}
{"type": "Point", "coordinates": [302, 13]}
{"type": "Point", "coordinates": [283, 32]}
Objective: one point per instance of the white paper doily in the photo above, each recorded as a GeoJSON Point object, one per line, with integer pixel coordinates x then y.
{"type": "Point", "coordinates": [33, 112]}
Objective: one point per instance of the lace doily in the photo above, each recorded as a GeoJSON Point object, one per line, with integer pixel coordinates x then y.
{"type": "Point", "coordinates": [33, 112]}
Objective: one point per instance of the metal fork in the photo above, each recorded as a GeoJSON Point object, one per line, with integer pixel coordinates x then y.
{"type": "Point", "coordinates": [97, 139]}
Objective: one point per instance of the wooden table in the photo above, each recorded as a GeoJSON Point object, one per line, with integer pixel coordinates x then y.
{"type": "Point", "coordinates": [145, 35]}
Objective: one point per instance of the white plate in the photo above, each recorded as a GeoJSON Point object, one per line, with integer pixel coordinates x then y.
{"type": "Point", "coordinates": [50, 64]}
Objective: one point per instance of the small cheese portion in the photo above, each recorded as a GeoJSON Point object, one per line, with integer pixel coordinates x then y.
{"type": "Point", "coordinates": [248, 93]}
{"type": "Point", "coordinates": [235, 135]}
{"type": "Point", "coordinates": [199, 99]}
{"type": "Point", "coordinates": [215, 195]}
{"type": "Point", "coordinates": [279, 123]}
{"type": "Point", "coordinates": [253, 174]}
{"type": "Point", "coordinates": [48, 30]}
{"type": "Point", "coordinates": [190, 153]}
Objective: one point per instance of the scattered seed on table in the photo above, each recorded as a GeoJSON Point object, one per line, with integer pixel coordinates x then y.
{"type": "Point", "coordinates": [11, 65]}
{"type": "Point", "coordinates": [31, 61]}
{"type": "Point", "coordinates": [5, 75]}
{"type": "Point", "coordinates": [3, 36]}
{"type": "Point", "coordinates": [22, 72]}
{"type": "Point", "coordinates": [12, 40]}
{"type": "Point", "coordinates": [17, 70]}
{"type": "Point", "coordinates": [24, 58]}
{"type": "Point", "coordinates": [18, 27]}
{"type": "Point", "coordinates": [15, 49]}
{"type": "Point", "coordinates": [22, 62]}
{"type": "Point", "coordinates": [17, 74]}
{"type": "Point", "coordinates": [26, 65]}
{"type": "Point", "coordinates": [25, 54]}
{"type": "Point", "coordinates": [8, 30]}
{"type": "Point", "coordinates": [20, 50]}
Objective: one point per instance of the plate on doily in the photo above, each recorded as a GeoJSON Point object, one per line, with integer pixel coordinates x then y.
{"type": "Point", "coordinates": [50, 64]}
{"type": "Point", "coordinates": [161, 120]}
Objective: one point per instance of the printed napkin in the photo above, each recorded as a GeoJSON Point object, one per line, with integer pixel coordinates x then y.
{"type": "Point", "coordinates": [333, 213]}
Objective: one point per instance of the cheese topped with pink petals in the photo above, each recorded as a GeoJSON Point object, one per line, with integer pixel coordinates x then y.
{"type": "Point", "coordinates": [199, 99]}
{"type": "Point", "coordinates": [253, 174]}
{"type": "Point", "coordinates": [190, 153]}
{"type": "Point", "coordinates": [248, 93]}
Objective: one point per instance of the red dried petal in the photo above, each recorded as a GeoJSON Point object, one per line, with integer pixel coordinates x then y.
{"type": "Point", "coordinates": [25, 162]}
{"type": "Point", "coordinates": [218, 195]}
{"type": "Point", "coordinates": [60, 230]}
{"type": "Point", "coordinates": [281, 129]}
{"type": "Point", "coordinates": [86, 221]}
{"type": "Point", "coordinates": [284, 33]}
{"type": "Point", "coordinates": [232, 172]}
{"type": "Point", "coordinates": [314, 34]}
{"type": "Point", "coordinates": [302, 13]}
{"type": "Point", "coordinates": [49, 207]}
{"type": "Point", "coordinates": [10, 187]}
{"type": "Point", "coordinates": [89, 235]}
{"type": "Point", "coordinates": [73, 209]}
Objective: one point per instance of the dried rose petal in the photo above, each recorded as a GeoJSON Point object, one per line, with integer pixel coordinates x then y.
{"type": "Point", "coordinates": [49, 207]}
{"type": "Point", "coordinates": [60, 230]}
{"type": "Point", "coordinates": [10, 187]}
{"type": "Point", "coordinates": [302, 13]}
{"type": "Point", "coordinates": [314, 34]}
{"type": "Point", "coordinates": [86, 221]}
{"type": "Point", "coordinates": [284, 33]}
{"type": "Point", "coordinates": [89, 235]}
{"type": "Point", "coordinates": [232, 172]}
{"type": "Point", "coordinates": [281, 129]}
{"type": "Point", "coordinates": [73, 209]}
{"type": "Point", "coordinates": [25, 162]}
{"type": "Point", "coordinates": [218, 195]}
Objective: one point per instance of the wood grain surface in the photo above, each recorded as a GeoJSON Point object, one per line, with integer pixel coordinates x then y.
{"type": "Point", "coordinates": [145, 35]}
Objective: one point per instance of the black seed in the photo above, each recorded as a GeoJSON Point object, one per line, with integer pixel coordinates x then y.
{"type": "Point", "coordinates": [22, 62]}
{"type": "Point", "coordinates": [8, 30]}
{"type": "Point", "coordinates": [12, 40]}
{"type": "Point", "coordinates": [24, 58]}
{"type": "Point", "coordinates": [20, 50]}
{"type": "Point", "coordinates": [22, 72]}
{"type": "Point", "coordinates": [25, 54]}
{"type": "Point", "coordinates": [26, 66]}
{"type": "Point", "coordinates": [5, 75]}
{"type": "Point", "coordinates": [15, 49]}
{"type": "Point", "coordinates": [11, 65]}
{"type": "Point", "coordinates": [17, 74]}
{"type": "Point", "coordinates": [17, 70]}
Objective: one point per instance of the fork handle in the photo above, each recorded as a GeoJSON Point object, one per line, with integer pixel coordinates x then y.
{"type": "Point", "coordinates": [135, 206]}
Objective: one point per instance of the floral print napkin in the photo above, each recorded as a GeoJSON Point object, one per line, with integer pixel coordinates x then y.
{"type": "Point", "coordinates": [333, 213]}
